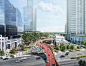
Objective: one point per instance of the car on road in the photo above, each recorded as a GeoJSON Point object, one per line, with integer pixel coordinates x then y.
{"type": "Point", "coordinates": [24, 58]}
{"type": "Point", "coordinates": [38, 58]}
{"type": "Point", "coordinates": [18, 60]}
{"type": "Point", "coordinates": [67, 53]}
{"type": "Point", "coordinates": [5, 59]}
{"type": "Point", "coordinates": [62, 56]}
{"type": "Point", "coordinates": [79, 53]}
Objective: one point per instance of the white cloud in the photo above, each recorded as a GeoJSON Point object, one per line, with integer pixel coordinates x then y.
{"type": "Point", "coordinates": [51, 7]}
{"type": "Point", "coordinates": [51, 29]}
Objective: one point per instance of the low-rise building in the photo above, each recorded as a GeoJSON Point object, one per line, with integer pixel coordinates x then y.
{"type": "Point", "coordinates": [60, 39]}
{"type": "Point", "coordinates": [6, 43]}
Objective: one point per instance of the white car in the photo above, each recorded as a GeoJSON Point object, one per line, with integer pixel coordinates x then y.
{"type": "Point", "coordinates": [17, 61]}
{"type": "Point", "coordinates": [79, 53]}
{"type": "Point", "coordinates": [24, 58]}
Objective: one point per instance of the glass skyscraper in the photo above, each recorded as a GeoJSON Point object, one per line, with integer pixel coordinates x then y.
{"type": "Point", "coordinates": [19, 21]}
{"type": "Point", "coordinates": [9, 18]}
{"type": "Point", "coordinates": [76, 20]}
{"type": "Point", "coordinates": [29, 17]}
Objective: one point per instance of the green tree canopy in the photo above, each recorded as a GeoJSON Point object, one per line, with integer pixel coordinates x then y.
{"type": "Point", "coordinates": [82, 63]}
{"type": "Point", "coordinates": [1, 53]}
{"type": "Point", "coordinates": [12, 51]}
{"type": "Point", "coordinates": [78, 47]}
{"type": "Point", "coordinates": [63, 48]}
{"type": "Point", "coordinates": [46, 35]}
{"type": "Point", "coordinates": [68, 46]}
{"type": "Point", "coordinates": [57, 48]}
{"type": "Point", "coordinates": [83, 42]}
{"type": "Point", "coordinates": [72, 47]}
{"type": "Point", "coordinates": [22, 48]}
{"type": "Point", "coordinates": [32, 37]}
{"type": "Point", "coordinates": [61, 45]}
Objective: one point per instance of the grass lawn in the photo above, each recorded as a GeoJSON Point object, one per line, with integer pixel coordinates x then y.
{"type": "Point", "coordinates": [31, 44]}
{"type": "Point", "coordinates": [73, 50]}
{"type": "Point", "coordinates": [26, 49]}
{"type": "Point", "coordinates": [78, 57]}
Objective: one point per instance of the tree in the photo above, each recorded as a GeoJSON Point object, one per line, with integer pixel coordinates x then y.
{"type": "Point", "coordinates": [12, 51]}
{"type": "Point", "coordinates": [72, 47]}
{"type": "Point", "coordinates": [63, 48]}
{"type": "Point", "coordinates": [46, 35]}
{"type": "Point", "coordinates": [25, 37]}
{"type": "Point", "coordinates": [1, 53]}
{"type": "Point", "coordinates": [61, 45]}
{"type": "Point", "coordinates": [83, 42]}
{"type": "Point", "coordinates": [82, 63]}
{"type": "Point", "coordinates": [78, 47]}
{"type": "Point", "coordinates": [68, 46]}
{"type": "Point", "coordinates": [32, 37]}
{"type": "Point", "coordinates": [22, 48]}
{"type": "Point", "coordinates": [57, 48]}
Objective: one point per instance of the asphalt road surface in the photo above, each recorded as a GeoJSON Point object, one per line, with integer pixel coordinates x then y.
{"type": "Point", "coordinates": [31, 61]}
{"type": "Point", "coordinates": [71, 54]}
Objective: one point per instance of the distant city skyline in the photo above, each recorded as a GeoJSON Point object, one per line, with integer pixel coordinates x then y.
{"type": "Point", "coordinates": [51, 15]}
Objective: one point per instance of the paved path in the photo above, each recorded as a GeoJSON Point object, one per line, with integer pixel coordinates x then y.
{"type": "Point", "coordinates": [50, 56]}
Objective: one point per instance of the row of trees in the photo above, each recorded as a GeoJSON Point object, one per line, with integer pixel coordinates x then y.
{"type": "Point", "coordinates": [31, 37]}
{"type": "Point", "coordinates": [20, 49]}
{"type": "Point", "coordinates": [82, 63]}
{"type": "Point", "coordinates": [63, 47]}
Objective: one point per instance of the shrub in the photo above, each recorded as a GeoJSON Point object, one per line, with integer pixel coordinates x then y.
{"type": "Point", "coordinates": [78, 47]}
{"type": "Point", "coordinates": [22, 48]}
{"type": "Point", "coordinates": [57, 48]}
{"type": "Point", "coordinates": [12, 51]}
{"type": "Point", "coordinates": [68, 46]}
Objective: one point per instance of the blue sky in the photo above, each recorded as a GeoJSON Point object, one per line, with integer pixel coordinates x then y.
{"type": "Point", "coordinates": [51, 14]}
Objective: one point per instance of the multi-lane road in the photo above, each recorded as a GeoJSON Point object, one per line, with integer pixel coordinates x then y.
{"type": "Point", "coordinates": [66, 61]}
{"type": "Point", "coordinates": [71, 54]}
{"type": "Point", "coordinates": [30, 61]}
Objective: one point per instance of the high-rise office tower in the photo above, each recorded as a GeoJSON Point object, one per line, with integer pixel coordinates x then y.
{"type": "Point", "coordinates": [29, 17]}
{"type": "Point", "coordinates": [7, 18]}
{"type": "Point", "coordinates": [19, 22]}
{"type": "Point", "coordinates": [76, 20]}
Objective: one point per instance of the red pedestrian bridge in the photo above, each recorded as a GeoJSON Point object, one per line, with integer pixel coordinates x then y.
{"type": "Point", "coordinates": [51, 61]}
